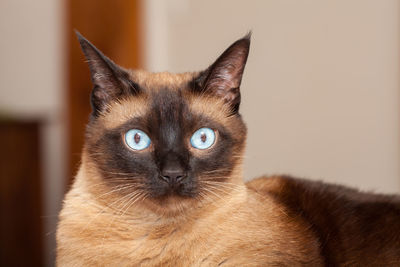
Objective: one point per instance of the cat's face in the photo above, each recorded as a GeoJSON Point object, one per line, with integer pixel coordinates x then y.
{"type": "Point", "coordinates": [167, 136]}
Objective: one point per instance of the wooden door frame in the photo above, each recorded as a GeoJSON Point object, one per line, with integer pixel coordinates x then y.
{"type": "Point", "coordinates": [115, 27]}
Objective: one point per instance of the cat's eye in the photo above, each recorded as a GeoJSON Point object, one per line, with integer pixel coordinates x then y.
{"type": "Point", "coordinates": [137, 139]}
{"type": "Point", "coordinates": [203, 138]}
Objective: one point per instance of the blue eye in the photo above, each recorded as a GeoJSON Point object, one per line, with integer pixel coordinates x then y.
{"type": "Point", "coordinates": [203, 138]}
{"type": "Point", "coordinates": [137, 139]}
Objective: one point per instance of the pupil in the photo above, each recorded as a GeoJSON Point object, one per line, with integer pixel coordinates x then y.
{"type": "Point", "coordinates": [137, 138]}
{"type": "Point", "coordinates": [203, 137]}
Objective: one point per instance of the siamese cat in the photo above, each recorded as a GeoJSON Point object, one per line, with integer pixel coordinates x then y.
{"type": "Point", "coordinates": [160, 183]}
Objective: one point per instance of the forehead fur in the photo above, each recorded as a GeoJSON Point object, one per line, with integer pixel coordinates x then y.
{"type": "Point", "coordinates": [155, 81]}
{"type": "Point", "coordinates": [123, 110]}
{"type": "Point", "coordinates": [118, 112]}
{"type": "Point", "coordinates": [211, 107]}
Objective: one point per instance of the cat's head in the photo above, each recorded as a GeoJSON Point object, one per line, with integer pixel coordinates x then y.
{"type": "Point", "coordinates": [166, 139]}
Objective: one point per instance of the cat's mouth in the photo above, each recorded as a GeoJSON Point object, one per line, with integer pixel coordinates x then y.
{"type": "Point", "coordinates": [175, 188]}
{"type": "Point", "coordinates": [172, 198]}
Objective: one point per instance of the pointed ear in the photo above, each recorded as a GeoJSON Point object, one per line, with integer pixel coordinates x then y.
{"type": "Point", "coordinates": [224, 76]}
{"type": "Point", "coordinates": [110, 81]}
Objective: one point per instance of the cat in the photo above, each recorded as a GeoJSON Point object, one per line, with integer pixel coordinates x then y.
{"type": "Point", "coordinates": [160, 183]}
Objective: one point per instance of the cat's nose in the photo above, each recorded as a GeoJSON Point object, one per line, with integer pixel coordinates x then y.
{"type": "Point", "coordinates": [173, 175]}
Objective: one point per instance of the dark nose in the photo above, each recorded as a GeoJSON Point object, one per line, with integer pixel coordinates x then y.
{"type": "Point", "coordinates": [173, 174]}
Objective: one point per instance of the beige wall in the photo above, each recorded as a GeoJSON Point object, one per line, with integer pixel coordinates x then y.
{"type": "Point", "coordinates": [321, 89]}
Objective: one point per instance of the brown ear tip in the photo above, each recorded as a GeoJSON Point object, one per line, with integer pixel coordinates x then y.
{"type": "Point", "coordinates": [79, 36]}
{"type": "Point", "coordinates": [245, 40]}
{"type": "Point", "coordinates": [83, 41]}
{"type": "Point", "coordinates": [85, 44]}
{"type": "Point", "coordinates": [248, 35]}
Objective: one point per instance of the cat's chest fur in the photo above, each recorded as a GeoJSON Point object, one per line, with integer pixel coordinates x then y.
{"type": "Point", "coordinates": [238, 232]}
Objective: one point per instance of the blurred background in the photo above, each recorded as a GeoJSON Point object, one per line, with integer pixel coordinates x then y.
{"type": "Point", "coordinates": [321, 92]}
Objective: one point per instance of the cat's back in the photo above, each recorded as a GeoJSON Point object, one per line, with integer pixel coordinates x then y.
{"type": "Point", "coordinates": [351, 227]}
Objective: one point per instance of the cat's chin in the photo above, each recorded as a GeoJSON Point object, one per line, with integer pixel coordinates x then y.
{"type": "Point", "coordinates": [172, 205]}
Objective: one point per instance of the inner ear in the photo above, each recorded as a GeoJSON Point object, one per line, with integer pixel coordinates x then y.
{"type": "Point", "coordinates": [110, 81]}
{"type": "Point", "coordinates": [224, 76]}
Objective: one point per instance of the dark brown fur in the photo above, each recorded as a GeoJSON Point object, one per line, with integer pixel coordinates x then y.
{"type": "Point", "coordinates": [122, 212]}
{"type": "Point", "coordinates": [352, 227]}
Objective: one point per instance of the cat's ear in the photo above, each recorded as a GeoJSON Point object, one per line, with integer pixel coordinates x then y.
{"type": "Point", "coordinates": [110, 81]}
{"type": "Point", "coordinates": [224, 76]}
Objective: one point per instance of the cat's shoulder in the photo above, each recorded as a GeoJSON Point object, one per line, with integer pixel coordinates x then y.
{"type": "Point", "coordinates": [286, 186]}
{"type": "Point", "coordinates": [341, 218]}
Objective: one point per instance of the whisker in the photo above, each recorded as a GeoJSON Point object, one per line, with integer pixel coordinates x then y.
{"type": "Point", "coordinates": [130, 197]}
{"type": "Point", "coordinates": [216, 170]}
{"type": "Point", "coordinates": [119, 188]}
{"type": "Point", "coordinates": [104, 183]}
{"type": "Point", "coordinates": [222, 190]}
{"type": "Point", "coordinates": [228, 186]}
{"type": "Point", "coordinates": [212, 192]}
{"type": "Point", "coordinates": [101, 212]}
{"type": "Point", "coordinates": [111, 205]}
{"type": "Point", "coordinates": [117, 173]}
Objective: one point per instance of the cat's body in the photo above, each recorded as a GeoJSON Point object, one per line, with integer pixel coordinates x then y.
{"type": "Point", "coordinates": [168, 196]}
